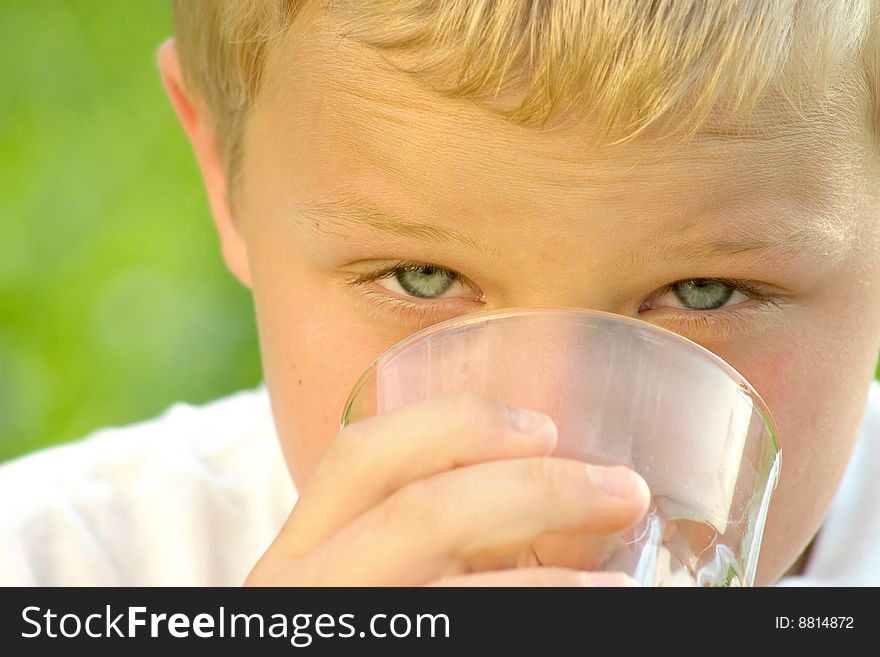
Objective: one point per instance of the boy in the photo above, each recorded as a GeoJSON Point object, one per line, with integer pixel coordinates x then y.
{"type": "Point", "coordinates": [374, 167]}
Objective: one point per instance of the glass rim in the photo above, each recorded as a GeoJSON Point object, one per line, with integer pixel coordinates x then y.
{"type": "Point", "coordinates": [479, 317]}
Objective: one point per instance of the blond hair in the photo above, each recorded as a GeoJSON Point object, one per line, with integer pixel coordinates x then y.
{"type": "Point", "coordinates": [628, 64]}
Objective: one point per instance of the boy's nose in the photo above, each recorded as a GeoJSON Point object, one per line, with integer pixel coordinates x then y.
{"type": "Point", "coordinates": [559, 364]}
{"type": "Point", "coordinates": [550, 362]}
{"type": "Point", "coordinates": [619, 392]}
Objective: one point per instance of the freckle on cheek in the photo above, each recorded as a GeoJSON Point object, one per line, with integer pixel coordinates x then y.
{"type": "Point", "coordinates": [300, 382]}
{"type": "Point", "coordinates": [776, 365]}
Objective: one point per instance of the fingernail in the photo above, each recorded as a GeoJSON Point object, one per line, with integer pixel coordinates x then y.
{"type": "Point", "coordinates": [527, 421]}
{"type": "Point", "coordinates": [615, 481]}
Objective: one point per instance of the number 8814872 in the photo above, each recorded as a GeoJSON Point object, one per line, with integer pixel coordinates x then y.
{"type": "Point", "coordinates": [815, 622]}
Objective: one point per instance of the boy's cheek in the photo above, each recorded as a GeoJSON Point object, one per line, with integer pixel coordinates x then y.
{"type": "Point", "coordinates": [314, 348]}
{"type": "Point", "coordinates": [812, 376]}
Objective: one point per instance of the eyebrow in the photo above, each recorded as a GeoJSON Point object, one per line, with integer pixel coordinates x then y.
{"type": "Point", "coordinates": [790, 245]}
{"type": "Point", "coordinates": [802, 235]}
{"type": "Point", "coordinates": [339, 215]}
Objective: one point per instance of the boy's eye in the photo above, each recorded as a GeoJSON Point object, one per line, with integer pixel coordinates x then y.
{"type": "Point", "coordinates": [422, 281]}
{"type": "Point", "coordinates": [701, 294]}
{"type": "Point", "coordinates": [425, 282]}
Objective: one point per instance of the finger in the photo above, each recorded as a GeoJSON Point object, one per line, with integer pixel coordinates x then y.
{"type": "Point", "coordinates": [371, 459]}
{"type": "Point", "coordinates": [537, 577]}
{"type": "Point", "coordinates": [430, 528]}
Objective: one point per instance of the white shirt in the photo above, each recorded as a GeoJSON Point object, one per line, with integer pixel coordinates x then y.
{"type": "Point", "coordinates": [194, 497]}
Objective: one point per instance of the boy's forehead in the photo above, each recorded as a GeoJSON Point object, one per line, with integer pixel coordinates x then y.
{"type": "Point", "coordinates": [396, 136]}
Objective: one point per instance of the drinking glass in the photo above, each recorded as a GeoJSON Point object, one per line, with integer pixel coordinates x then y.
{"type": "Point", "coordinates": [621, 392]}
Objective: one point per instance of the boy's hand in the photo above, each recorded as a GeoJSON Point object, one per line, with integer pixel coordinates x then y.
{"type": "Point", "coordinates": [416, 495]}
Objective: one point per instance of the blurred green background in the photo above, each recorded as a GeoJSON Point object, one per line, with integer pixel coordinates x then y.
{"type": "Point", "coordinates": [114, 301]}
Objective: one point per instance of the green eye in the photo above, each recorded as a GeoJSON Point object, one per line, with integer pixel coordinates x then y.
{"type": "Point", "coordinates": [425, 282]}
{"type": "Point", "coordinates": [702, 294]}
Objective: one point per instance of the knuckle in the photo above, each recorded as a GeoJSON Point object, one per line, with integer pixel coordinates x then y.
{"type": "Point", "coordinates": [542, 475]}
{"type": "Point", "coordinates": [478, 414]}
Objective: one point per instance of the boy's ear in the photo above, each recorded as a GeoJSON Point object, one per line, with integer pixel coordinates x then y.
{"type": "Point", "coordinates": [201, 136]}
